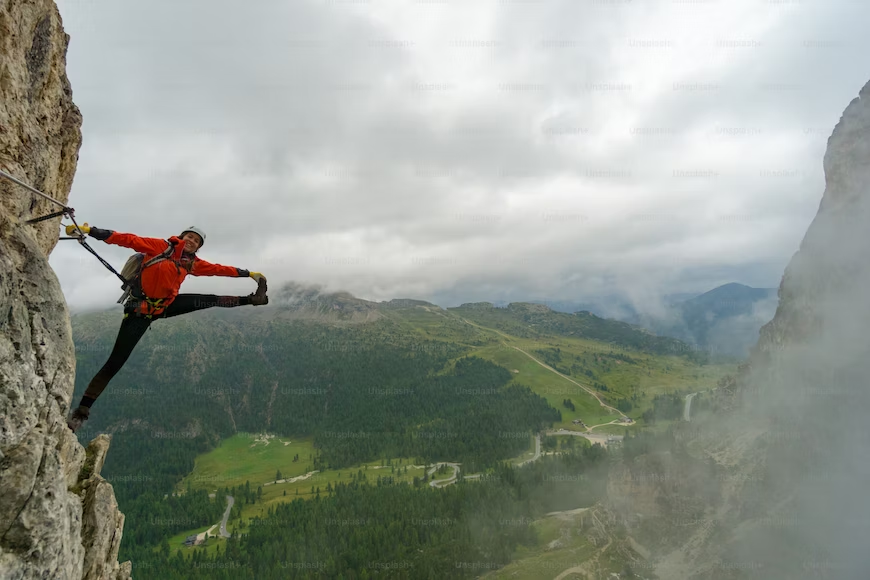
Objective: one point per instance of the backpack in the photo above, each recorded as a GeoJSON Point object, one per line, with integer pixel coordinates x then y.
{"type": "Point", "coordinates": [132, 273]}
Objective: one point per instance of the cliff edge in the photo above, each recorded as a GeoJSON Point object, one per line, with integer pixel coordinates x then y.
{"type": "Point", "coordinates": [773, 486]}
{"type": "Point", "coordinates": [58, 517]}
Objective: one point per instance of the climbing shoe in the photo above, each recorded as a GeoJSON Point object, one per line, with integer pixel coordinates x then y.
{"type": "Point", "coordinates": [78, 417]}
{"type": "Point", "coordinates": [259, 297]}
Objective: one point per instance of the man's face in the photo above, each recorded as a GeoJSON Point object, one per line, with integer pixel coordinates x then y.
{"type": "Point", "coordinates": [192, 242]}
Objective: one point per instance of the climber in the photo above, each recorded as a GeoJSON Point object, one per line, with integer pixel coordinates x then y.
{"type": "Point", "coordinates": [159, 297]}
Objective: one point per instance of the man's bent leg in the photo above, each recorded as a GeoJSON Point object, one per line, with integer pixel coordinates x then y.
{"type": "Point", "coordinates": [131, 331]}
{"type": "Point", "coordinates": [186, 303]}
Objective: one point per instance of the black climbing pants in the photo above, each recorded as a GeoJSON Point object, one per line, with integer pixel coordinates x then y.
{"type": "Point", "coordinates": [133, 328]}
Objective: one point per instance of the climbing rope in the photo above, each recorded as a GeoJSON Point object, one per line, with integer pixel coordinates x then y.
{"type": "Point", "coordinates": [65, 211]}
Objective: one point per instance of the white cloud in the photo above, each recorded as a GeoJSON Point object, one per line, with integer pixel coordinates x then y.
{"type": "Point", "coordinates": [444, 150]}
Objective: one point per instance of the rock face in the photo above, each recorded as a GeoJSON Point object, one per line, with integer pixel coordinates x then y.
{"type": "Point", "coordinates": [58, 517]}
{"type": "Point", "coordinates": [789, 461]}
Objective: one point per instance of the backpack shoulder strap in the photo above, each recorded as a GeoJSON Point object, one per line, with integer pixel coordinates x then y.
{"type": "Point", "coordinates": [164, 255]}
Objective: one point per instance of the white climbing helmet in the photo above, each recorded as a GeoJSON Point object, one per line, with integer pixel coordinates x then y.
{"type": "Point", "coordinates": [196, 231]}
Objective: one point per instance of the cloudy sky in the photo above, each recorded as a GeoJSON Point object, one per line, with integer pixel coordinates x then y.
{"type": "Point", "coordinates": [460, 151]}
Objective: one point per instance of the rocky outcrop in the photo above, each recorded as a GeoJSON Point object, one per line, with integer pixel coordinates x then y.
{"type": "Point", "coordinates": [58, 517]}
{"type": "Point", "coordinates": [789, 458]}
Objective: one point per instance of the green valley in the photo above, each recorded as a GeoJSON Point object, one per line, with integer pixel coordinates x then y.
{"type": "Point", "coordinates": [335, 395]}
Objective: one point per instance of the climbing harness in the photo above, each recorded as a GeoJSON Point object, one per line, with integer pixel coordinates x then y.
{"type": "Point", "coordinates": [65, 211]}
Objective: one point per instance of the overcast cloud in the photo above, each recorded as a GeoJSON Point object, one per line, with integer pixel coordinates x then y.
{"type": "Point", "coordinates": [460, 151]}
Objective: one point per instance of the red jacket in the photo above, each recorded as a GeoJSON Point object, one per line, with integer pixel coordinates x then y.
{"type": "Point", "coordinates": [163, 279]}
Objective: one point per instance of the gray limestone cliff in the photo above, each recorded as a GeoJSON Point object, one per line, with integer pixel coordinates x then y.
{"type": "Point", "coordinates": [58, 517]}
{"type": "Point", "coordinates": [774, 485]}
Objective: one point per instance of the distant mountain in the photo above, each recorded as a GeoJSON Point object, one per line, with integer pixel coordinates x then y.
{"type": "Point", "coordinates": [614, 306]}
{"type": "Point", "coordinates": [725, 320]}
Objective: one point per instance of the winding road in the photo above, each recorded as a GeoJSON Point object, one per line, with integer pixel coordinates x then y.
{"type": "Point", "coordinates": [230, 502]}
{"type": "Point", "coordinates": [537, 451]}
{"type": "Point", "coordinates": [569, 379]}
{"type": "Point", "coordinates": [551, 369]}
{"type": "Point", "coordinates": [449, 480]}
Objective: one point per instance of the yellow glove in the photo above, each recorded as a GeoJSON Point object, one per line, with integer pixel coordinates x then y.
{"type": "Point", "coordinates": [256, 276]}
{"type": "Point", "coordinates": [72, 230]}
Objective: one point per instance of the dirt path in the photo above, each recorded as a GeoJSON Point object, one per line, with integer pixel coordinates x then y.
{"type": "Point", "coordinates": [230, 501]}
{"type": "Point", "coordinates": [551, 369]}
{"type": "Point", "coordinates": [292, 479]}
{"type": "Point", "coordinates": [569, 379]}
{"type": "Point", "coordinates": [537, 451]}
{"type": "Point", "coordinates": [593, 437]}
{"type": "Point", "coordinates": [206, 534]}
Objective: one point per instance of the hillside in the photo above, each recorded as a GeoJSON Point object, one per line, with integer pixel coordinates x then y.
{"type": "Point", "coordinates": [537, 320]}
{"type": "Point", "coordinates": [406, 379]}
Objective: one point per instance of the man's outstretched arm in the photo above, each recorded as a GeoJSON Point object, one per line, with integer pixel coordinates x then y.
{"type": "Point", "coordinates": [132, 241]}
{"type": "Point", "coordinates": [203, 268]}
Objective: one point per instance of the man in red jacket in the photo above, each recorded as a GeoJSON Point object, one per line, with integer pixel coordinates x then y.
{"type": "Point", "coordinates": [159, 296]}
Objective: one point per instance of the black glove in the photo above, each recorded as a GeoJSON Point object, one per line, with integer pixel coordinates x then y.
{"type": "Point", "coordinates": [99, 234]}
